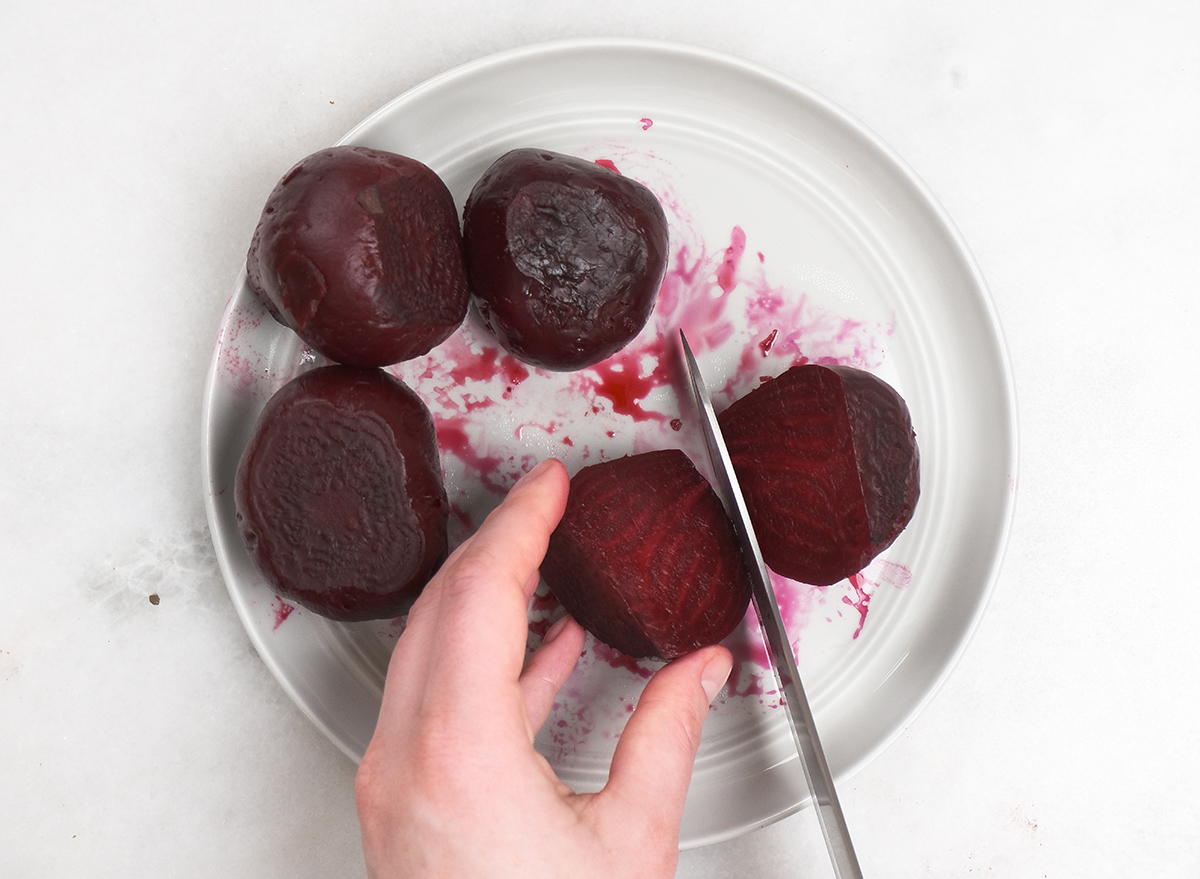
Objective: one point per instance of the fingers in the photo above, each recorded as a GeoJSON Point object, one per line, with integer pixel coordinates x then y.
{"type": "Point", "coordinates": [654, 756]}
{"type": "Point", "coordinates": [466, 633]}
{"type": "Point", "coordinates": [486, 584]}
{"type": "Point", "coordinates": [548, 669]}
{"type": "Point", "coordinates": [517, 531]}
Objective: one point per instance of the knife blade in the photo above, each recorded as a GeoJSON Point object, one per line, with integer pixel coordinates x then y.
{"type": "Point", "coordinates": [779, 648]}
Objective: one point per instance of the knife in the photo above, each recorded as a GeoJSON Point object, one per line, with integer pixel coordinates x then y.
{"type": "Point", "coordinates": [779, 648]}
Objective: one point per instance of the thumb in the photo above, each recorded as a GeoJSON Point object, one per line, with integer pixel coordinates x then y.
{"type": "Point", "coordinates": [653, 759]}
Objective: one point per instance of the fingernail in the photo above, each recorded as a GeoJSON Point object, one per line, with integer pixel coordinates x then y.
{"type": "Point", "coordinates": [715, 674]}
{"type": "Point", "coordinates": [538, 470]}
{"type": "Point", "coordinates": [555, 630]}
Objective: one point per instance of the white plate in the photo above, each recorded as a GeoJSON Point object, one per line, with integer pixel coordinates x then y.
{"type": "Point", "coordinates": [847, 258]}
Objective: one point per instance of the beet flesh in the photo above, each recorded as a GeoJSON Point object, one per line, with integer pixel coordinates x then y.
{"type": "Point", "coordinates": [645, 557]}
{"type": "Point", "coordinates": [359, 251]}
{"type": "Point", "coordinates": [828, 463]}
{"type": "Point", "coordinates": [565, 257]}
{"type": "Point", "coordinates": [339, 494]}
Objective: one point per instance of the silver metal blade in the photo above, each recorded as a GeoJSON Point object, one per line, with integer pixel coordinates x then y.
{"type": "Point", "coordinates": [779, 649]}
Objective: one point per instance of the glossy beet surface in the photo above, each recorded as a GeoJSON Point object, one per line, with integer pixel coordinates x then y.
{"type": "Point", "coordinates": [828, 462]}
{"type": "Point", "coordinates": [645, 557]}
{"type": "Point", "coordinates": [565, 257]}
{"type": "Point", "coordinates": [339, 494]}
{"type": "Point", "coordinates": [360, 252]}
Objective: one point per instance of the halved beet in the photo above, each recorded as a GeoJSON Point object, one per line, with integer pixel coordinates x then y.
{"type": "Point", "coordinates": [339, 494]}
{"type": "Point", "coordinates": [645, 557]}
{"type": "Point", "coordinates": [360, 252]}
{"type": "Point", "coordinates": [827, 460]}
{"type": "Point", "coordinates": [565, 257]}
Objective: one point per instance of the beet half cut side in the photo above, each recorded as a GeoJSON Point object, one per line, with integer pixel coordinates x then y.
{"type": "Point", "coordinates": [359, 251]}
{"type": "Point", "coordinates": [339, 494]}
{"type": "Point", "coordinates": [645, 557]}
{"type": "Point", "coordinates": [827, 460]}
{"type": "Point", "coordinates": [565, 257]}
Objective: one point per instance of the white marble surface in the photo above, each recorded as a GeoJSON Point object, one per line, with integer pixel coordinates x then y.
{"type": "Point", "coordinates": [139, 140]}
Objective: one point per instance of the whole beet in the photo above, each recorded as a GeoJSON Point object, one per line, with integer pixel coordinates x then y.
{"type": "Point", "coordinates": [339, 494]}
{"type": "Point", "coordinates": [565, 257]}
{"type": "Point", "coordinates": [360, 252]}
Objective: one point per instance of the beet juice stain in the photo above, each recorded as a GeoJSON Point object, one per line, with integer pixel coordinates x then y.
{"type": "Point", "coordinates": [283, 610]}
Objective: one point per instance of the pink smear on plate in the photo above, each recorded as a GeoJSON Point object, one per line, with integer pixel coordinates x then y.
{"type": "Point", "coordinates": [891, 574]}
{"type": "Point", "coordinates": [283, 610]}
{"type": "Point", "coordinates": [727, 272]}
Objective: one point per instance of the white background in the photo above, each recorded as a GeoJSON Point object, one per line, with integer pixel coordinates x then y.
{"type": "Point", "coordinates": [137, 145]}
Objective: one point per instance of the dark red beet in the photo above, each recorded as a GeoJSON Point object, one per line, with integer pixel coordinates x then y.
{"type": "Point", "coordinates": [339, 494]}
{"type": "Point", "coordinates": [360, 252]}
{"type": "Point", "coordinates": [565, 257]}
{"type": "Point", "coordinates": [645, 557]}
{"type": "Point", "coordinates": [828, 462]}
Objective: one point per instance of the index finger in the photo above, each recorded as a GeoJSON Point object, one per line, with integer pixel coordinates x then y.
{"type": "Point", "coordinates": [472, 618]}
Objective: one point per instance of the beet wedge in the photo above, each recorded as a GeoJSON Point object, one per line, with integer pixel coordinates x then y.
{"type": "Point", "coordinates": [645, 557]}
{"type": "Point", "coordinates": [828, 463]}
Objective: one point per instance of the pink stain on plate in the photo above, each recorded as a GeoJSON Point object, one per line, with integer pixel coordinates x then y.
{"type": "Point", "coordinates": [727, 273]}
{"type": "Point", "coordinates": [283, 610]}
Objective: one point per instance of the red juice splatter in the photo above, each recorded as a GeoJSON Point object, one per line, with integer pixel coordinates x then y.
{"type": "Point", "coordinates": [608, 163]}
{"type": "Point", "coordinates": [543, 602]}
{"type": "Point", "coordinates": [646, 123]}
{"type": "Point", "coordinates": [688, 301]}
{"type": "Point", "coordinates": [283, 610]}
{"type": "Point", "coordinates": [620, 380]}
{"type": "Point", "coordinates": [889, 574]}
{"type": "Point", "coordinates": [617, 659]}
{"type": "Point", "coordinates": [862, 600]}
{"type": "Point", "coordinates": [481, 367]}
{"type": "Point", "coordinates": [452, 439]}
{"type": "Point", "coordinates": [513, 370]}
{"type": "Point", "coordinates": [727, 273]}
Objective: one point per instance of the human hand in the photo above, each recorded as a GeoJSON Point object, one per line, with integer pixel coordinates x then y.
{"type": "Point", "coordinates": [451, 785]}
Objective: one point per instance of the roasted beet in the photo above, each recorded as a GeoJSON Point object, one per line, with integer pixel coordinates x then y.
{"type": "Point", "coordinates": [645, 557]}
{"type": "Point", "coordinates": [360, 252]}
{"type": "Point", "coordinates": [565, 257]}
{"type": "Point", "coordinates": [339, 494]}
{"type": "Point", "coordinates": [828, 463]}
